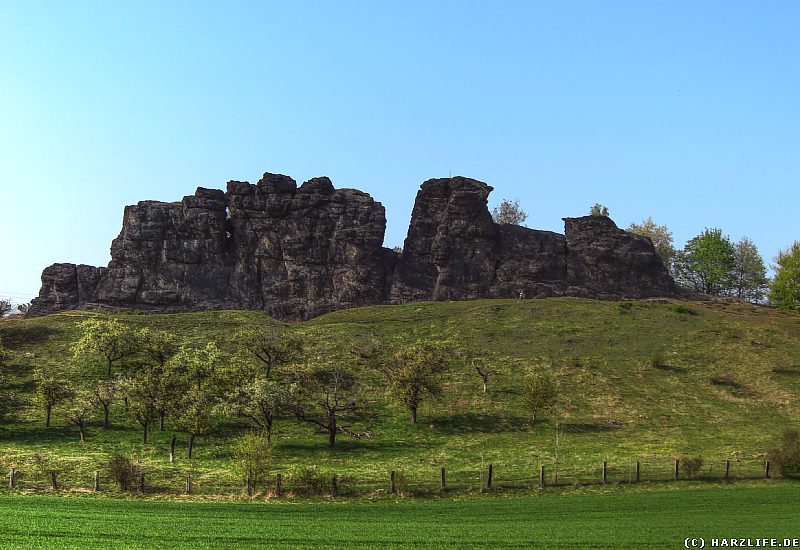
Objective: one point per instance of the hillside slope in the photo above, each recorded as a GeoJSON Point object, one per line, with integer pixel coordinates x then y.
{"type": "Point", "coordinates": [640, 380]}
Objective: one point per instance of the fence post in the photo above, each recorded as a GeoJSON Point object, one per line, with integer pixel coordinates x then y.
{"type": "Point", "coordinates": [605, 471]}
{"type": "Point", "coordinates": [54, 480]}
{"type": "Point", "coordinates": [172, 449]}
{"type": "Point", "coordinates": [675, 473]}
{"type": "Point", "coordinates": [334, 486]}
{"type": "Point", "coordinates": [11, 475]}
{"type": "Point", "coordinates": [638, 471]}
{"type": "Point", "coordinates": [96, 481]}
{"type": "Point", "coordinates": [766, 469]}
{"type": "Point", "coordinates": [188, 488]}
{"type": "Point", "coordinates": [392, 480]}
{"type": "Point", "coordinates": [278, 480]}
{"type": "Point", "coordinates": [727, 469]}
{"type": "Point", "coordinates": [141, 482]}
{"type": "Point", "coordinates": [248, 488]}
{"type": "Point", "coordinates": [444, 480]}
{"type": "Point", "coordinates": [541, 475]}
{"type": "Point", "coordinates": [489, 477]}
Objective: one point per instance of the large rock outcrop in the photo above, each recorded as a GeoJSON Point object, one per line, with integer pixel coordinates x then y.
{"type": "Point", "coordinates": [300, 252]}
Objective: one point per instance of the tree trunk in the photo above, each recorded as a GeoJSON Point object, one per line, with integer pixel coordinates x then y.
{"type": "Point", "coordinates": [125, 400]}
{"type": "Point", "coordinates": [105, 415]}
{"type": "Point", "coordinates": [172, 449]}
{"type": "Point", "coordinates": [331, 436]}
{"type": "Point", "coordinates": [533, 417]}
{"type": "Point", "coordinates": [413, 415]}
{"type": "Point", "coordinates": [47, 420]}
{"type": "Point", "coordinates": [144, 435]}
{"type": "Point", "coordinates": [191, 445]}
{"type": "Point", "coordinates": [161, 415]}
{"type": "Point", "coordinates": [269, 430]}
{"type": "Point", "coordinates": [54, 480]}
{"type": "Point", "coordinates": [80, 429]}
{"type": "Point", "coordinates": [485, 383]}
{"type": "Point", "coordinates": [109, 368]}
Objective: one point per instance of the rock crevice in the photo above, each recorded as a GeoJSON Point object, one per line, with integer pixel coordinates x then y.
{"type": "Point", "coordinates": [299, 252]}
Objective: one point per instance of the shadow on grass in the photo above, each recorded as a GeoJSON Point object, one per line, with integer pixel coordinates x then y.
{"type": "Point", "coordinates": [25, 335]}
{"type": "Point", "coordinates": [587, 428]}
{"type": "Point", "coordinates": [346, 444]}
{"type": "Point", "coordinates": [787, 371]}
{"type": "Point", "coordinates": [481, 423]}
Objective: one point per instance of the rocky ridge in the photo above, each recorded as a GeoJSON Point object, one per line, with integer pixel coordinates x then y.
{"type": "Point", "coordinates": [299, 252]}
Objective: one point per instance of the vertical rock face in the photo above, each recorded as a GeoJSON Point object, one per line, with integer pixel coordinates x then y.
{"type": "Point", "coordinates": [300, 252]}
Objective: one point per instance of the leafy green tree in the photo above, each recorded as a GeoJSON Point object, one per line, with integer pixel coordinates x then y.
{"type": "Point", "coordinates": [198, 414]}
{"type": "Point", "coordinates": [271, 346]}
{"type": "Point", "coordinates": [749, 281]}
{"type": "Point", "coordinates": [661, 237]}
{"type": "Point", "coordinates": [509, 212]}
{"type": "Point", "coordinates": [598, 210]}
{"type": "Point", "coordinates": [251, 458]}
{"type": "Point", "coordinates": [9, 403]}
{"type": "Point", "coordinates": [539, 389]}
{"type": "Point", "coordinates": [109, 339]}
{"type": "Point", "coordinates": [785, 288]}
{"type": "Point", "coordinates": [198, 366]}
{"type": "Point", "coordinates": [261, 401]}
{"type": "Point", "coordinates": [79, 410]}
{"type": "Point", "coordinates": [157, 346]}
{"type": "Point", "coordinates": [707, 263]}
{"type": "Point", "coordinates": [417, 372]}
{"type": "Point", "coordinates": [50, 391]}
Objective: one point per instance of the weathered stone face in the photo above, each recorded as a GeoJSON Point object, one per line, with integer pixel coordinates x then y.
{"type": "Point", "coordinates": [300, 252]}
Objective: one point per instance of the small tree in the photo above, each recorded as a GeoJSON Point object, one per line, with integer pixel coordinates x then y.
{"type": "Point", "coordinates": [251, 457]}
{"type": "Point", "coordinates": [271, 346]}
{"type": "Point", "coordinates": [140, 397]}
{"type": "Point", "coordinates": [417, 372]}
{"type": "Point", "coordinates": [509, 212]}
{"type": "Point", "coordinates": [198, 415]}
{"type": "Point", "coordinates": [598, 210]}
{"type": "Point", "coordinates": [785, 455]}
{"type": "Point", "coordinates": [707, 263]}
{"type": "Point", "coordinates": [124, 471]}
{"type": "Point", "coordinates": [49, 392]}
{"type": "Point", "coordinates": [261, 402]}
{"type": "Point", "coordinates": [484, 372]}
{"type": "Point", "coordinates": [660, 236]}
{"type": "Point", "coordinates": [785, 288]}
{"type": "Point", "coordinates": [749, 277]}
{"type": "Point", "coordinates": [197, 366]}
{"type": "Point", "coordinates": [157, 346]}
{"type": "Point", "coordinates": [23, 308]}
{"type": "Point", "coordinates": [79, 410]}
{"type": "Point", "coordinates": [539, 389]}
{"type": "Point", "coordinates": [327, 395]}
{"type": "Point", "coordinates": [109, 339]}
{"type": "Point", "coordinates": [104, 393]}
{"type": "Point", "coordinates": [5, 307]}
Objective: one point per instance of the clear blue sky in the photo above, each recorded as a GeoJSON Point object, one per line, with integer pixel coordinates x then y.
{"type": "Point", "coordinates": [685, 111]}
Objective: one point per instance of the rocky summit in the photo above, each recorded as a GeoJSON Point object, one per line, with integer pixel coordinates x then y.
{"type": "Point", "coordinates": [299, 252]}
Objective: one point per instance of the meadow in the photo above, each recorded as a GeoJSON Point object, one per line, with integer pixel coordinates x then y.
{"type": "Point", "coordinates": [662, 518]}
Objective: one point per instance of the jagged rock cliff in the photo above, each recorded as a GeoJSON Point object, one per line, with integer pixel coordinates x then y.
{"type": "Point", "coordinates": [300, 252]}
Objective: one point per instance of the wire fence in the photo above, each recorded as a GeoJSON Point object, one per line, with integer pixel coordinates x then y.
{"type": "Point", "coordinates": [417, 482]}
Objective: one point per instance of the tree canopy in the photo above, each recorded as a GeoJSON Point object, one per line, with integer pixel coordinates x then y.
{"type": "Point", "coordinates": [785, 287]}
{"type": "Point", "coordinates": [706, 263]}
{"type": "Point", "coordinates": [509, 212]}
{"type": "Point", "coordinates": [661, 237]}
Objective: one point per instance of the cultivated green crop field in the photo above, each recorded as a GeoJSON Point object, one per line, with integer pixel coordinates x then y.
{"type": "Point", "coordinates": [600, 519]}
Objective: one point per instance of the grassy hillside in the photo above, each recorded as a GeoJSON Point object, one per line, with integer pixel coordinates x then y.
{"type": "Point", "coordinates": [644, 380]}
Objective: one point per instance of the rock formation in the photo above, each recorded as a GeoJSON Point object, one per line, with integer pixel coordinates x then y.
{"type": "Point", "coordinates": [301, 252]}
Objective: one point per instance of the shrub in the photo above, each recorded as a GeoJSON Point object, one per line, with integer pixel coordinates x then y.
{"type": "Point", "coordinates": [786, 455]}
{"type": "Point", "coordinates": [251, 455]}
{"type": "Point", "coordinates": [310, 481]}
{"type": "Point", "coordinates": [690, 467]}
{"type": "Point", "coordinates": [657, 360]}
{"type": "Point", "coordinates": [682, 309]}
{"type": "Point", "coordinates": [124, 471]}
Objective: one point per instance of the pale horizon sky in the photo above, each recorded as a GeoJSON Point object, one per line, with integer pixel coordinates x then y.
{"type": "Point", "coordinates": [684, 111]}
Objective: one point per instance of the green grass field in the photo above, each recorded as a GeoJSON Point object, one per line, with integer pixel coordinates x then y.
{"type": "Point", "coordinates": [727, 386]}
{"type": "Point", "coordinates": [599, 519]}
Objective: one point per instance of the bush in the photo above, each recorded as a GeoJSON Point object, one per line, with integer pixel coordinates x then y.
{"type": "Point", "coordinates": [690, 467]}
{"type": "Point", "coordinates": [251, 455]}
{"type": "Point", "coordinates": [124, 471]}
{"type": "Point", "coordinates": [785, 457]}
{"type": "Point", "coordinates": [311, 481]}
{"type": "Point", "coordinates": [657, 360]}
